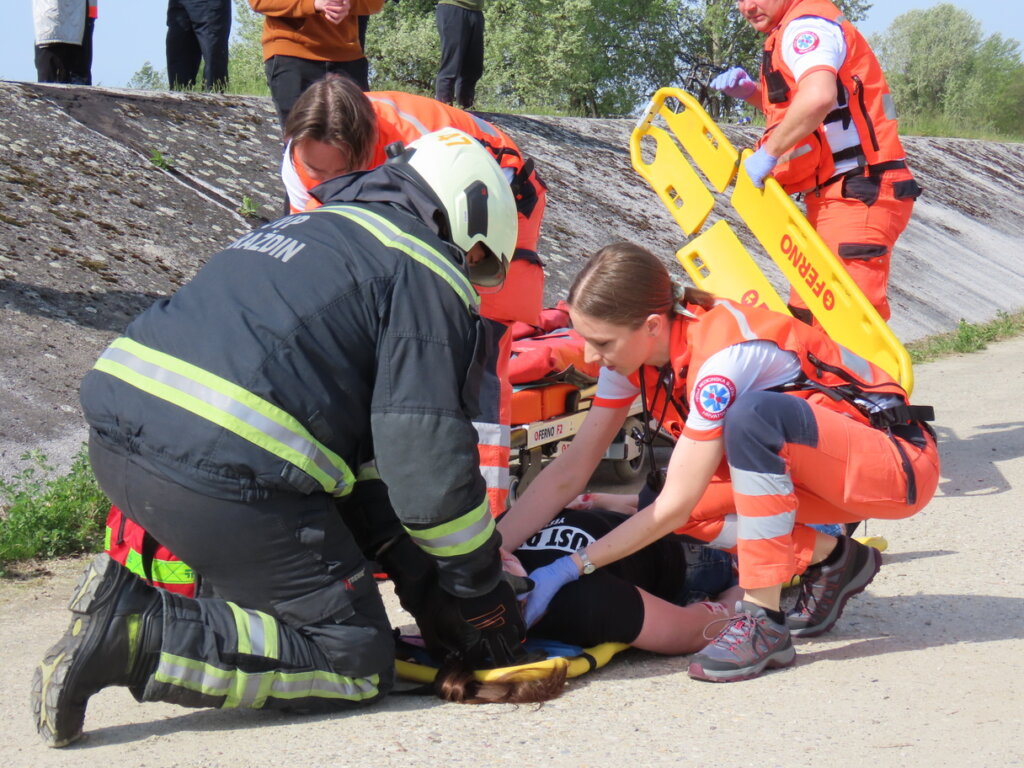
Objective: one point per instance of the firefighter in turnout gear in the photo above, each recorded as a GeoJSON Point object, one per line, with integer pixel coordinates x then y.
{"type": "Point", "coordinates": [306, 401]}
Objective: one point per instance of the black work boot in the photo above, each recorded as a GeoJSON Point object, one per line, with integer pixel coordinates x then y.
{"type": "Point", "coordinates": [113, 639]}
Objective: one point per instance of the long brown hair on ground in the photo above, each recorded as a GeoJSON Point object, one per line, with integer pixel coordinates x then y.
{"type": "Point", "coordinates": [456, 683]}
{"type": "Point", "coordinates": [624, 283]}
{"type": "Point", "coordinates": [333, 110]}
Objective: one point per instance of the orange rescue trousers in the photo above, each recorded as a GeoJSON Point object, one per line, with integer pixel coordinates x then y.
{"type": "Point", "coordinates": [860, 218]}
{"type": "Point", "coordinates": [792, 463]}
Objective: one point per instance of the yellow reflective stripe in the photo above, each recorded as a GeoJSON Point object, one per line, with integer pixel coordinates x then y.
{"type": "Point", "coordinates": [392, 237]}
{"type": "Point", "coordinates": [271, 642]}
{"type": "Point", "coordinates": [108, 537]}
{"type": "Point", "coordinates": [124, 358]}
{"type": "Point", "coordinates": [324, 685]}
{"type": "Point", "coordinates": [368, 471]}
{"type": "Point", "coordinates": [456, 537]}
{"type": "Point", "coordinates": [133, 562]}
{"type": "Point", "coordinates": [163, 571]}
{"type": "Point", "coordinates": [244, 644]}
{"type": "Point", "coordinates": [257, 632]}
{"type": "Point", "coordinates": [134, 624]}
{"type": "Point", "coordinates": [251, 689]}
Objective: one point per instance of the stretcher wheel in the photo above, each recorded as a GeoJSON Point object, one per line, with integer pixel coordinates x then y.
{"type": "Point", "coordinates": [628, 470]}
{"type": "Point", "coordinates": [513, 489]}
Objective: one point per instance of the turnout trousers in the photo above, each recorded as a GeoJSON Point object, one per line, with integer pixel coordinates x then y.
{"type": "Point", "coordinates": [296, 621]}
{"type": "Point", "coordinates": [792, 463]}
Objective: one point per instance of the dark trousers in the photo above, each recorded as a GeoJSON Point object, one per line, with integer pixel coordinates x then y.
{"type": "Point", "coordinates": [289, 76]}
{"type": "Point", "coordinates": [198, 31]}
{"type": "Point", "coordinates": [305, 626]}
{"type": "Point", "coordinates": [462, 54]}
{"type": "Point", "coordinates": [66, 62]}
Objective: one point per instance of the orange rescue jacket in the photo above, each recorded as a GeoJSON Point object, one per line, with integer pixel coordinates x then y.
{"type": "Point", "coordinates": [404, 117]}
{"type": "Point", "coordinates": [863, 95]}
{"type": "Point", "coordinates": [834, 376]}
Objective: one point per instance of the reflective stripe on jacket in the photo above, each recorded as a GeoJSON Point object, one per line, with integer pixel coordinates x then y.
{"type": "Point", "coordinates": [218, 400]}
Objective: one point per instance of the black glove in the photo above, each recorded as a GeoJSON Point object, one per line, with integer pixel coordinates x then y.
{"type": "Point", "coordinates": [413, 572]}
{"type": "Point", "coordinates": [487, 631]}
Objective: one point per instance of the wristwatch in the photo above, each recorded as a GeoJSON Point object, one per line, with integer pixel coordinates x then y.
{"type": "Point", "coordinates": [588, 567]}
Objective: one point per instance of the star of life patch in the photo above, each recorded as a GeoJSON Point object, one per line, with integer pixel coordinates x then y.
{"type": "Point", "coordinates": [806, 42]}
{"type": "Point", "coordinates": [712, 397]}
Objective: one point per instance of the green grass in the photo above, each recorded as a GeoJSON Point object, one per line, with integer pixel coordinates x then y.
{"type": "Point", "coordinates": [249, 207]}
{"type": "Point", "coordinates": [968, 337]}
{"type": "Point", "coordinates": [47, 515]}
{"type": "Point", "coordinates": [159, 160]}
{"type": "Point", "coordinates": [943, 127]}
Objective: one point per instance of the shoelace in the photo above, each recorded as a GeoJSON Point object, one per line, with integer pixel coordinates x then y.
{"type": "Point", "coordinates": [734, 631]}
{"type": "Point", "coordinates": [807, 599]}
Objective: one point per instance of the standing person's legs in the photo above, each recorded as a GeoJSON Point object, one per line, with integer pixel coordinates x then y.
{"type": "Point", "coordinates": [860, 218]}
{"type": "Point", "coordinates": [183, 53]}
{"type": "Point", "coordinates": [450, 28]}
{"type": "Point", "coordinates": [357, 69]}
{"type": "Point", "coordinates": [82, 74]}
{"type": "Point", "coordinates": [472, 59]}
{"type": "Point", "coordinates": [364, 23]}
{"type": "Point", "coordinates": [211, 20]}
{"type": "Point", "coordinates": [288, 77]}
{"type": "Point", "coordinates": [55, 62]}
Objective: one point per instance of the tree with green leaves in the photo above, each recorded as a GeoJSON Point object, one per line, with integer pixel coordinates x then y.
{"type": "Point", "coordinates": [942, 71]}
{"type": "Point", "coordinates": [245, 60]}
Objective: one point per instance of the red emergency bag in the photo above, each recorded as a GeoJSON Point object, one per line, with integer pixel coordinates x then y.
{"type": "Point", "coordinates": [130, 544]}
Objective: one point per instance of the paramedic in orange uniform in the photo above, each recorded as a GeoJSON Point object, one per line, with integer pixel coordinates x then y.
{"type": "Point", "coordinates": [831, 134]}
{"type": "Point", "coordinates": [783, 428]}
{"type": "Point", "coordinates": [334, 128]}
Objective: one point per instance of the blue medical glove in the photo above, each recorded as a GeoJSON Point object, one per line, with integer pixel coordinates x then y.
{"type": "Point", "coordinates": [759, 165]}
{"type": "Point", "coordinates": [547, 581]}
{"type": "Point", "coordinates": [734, 82]}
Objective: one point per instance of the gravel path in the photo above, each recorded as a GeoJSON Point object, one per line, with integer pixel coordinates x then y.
{"type": "Point", "coordinates": [920, 671]}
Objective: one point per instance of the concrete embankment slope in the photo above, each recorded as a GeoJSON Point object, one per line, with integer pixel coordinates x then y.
{"type": "Point", "coordinates": [112, 198]}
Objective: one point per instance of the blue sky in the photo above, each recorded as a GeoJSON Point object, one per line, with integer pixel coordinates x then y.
{"type": "Point", "coordinates": [130, 32]}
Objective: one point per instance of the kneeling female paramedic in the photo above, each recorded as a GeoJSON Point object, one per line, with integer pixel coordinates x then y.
{"type": "Point", "coordinates": [781, 428]}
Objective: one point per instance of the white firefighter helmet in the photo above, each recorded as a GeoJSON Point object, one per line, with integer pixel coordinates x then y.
{"type": "Point", "coordinates": [475, 195]}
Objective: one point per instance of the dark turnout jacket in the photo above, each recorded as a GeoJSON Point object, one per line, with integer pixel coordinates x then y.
{"type": "Point", "coordinates": [309, 347]}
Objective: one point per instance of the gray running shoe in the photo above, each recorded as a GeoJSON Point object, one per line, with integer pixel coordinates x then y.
{"type": "Point", "coordinates": [824, 590]}
{"type": "Point", "coordinates": [748, 645]}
